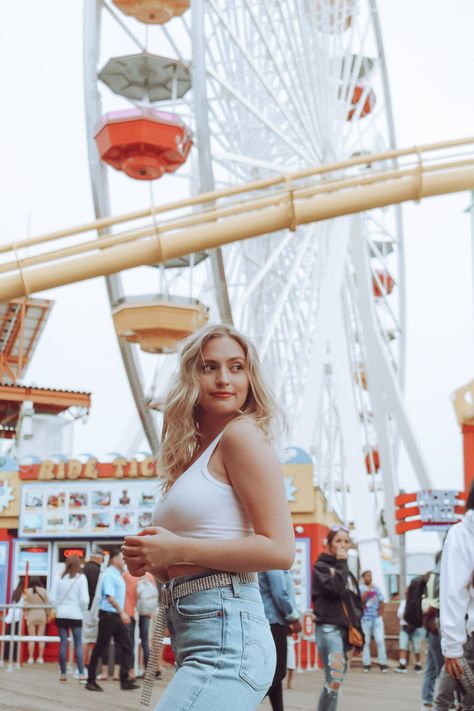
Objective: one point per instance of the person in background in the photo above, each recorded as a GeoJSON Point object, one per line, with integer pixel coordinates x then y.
{"type": "Point", "coordinates": [290, 659]}
{"type": "Point", "coordinates": [14, 616]}
{"type": "Point", "coordinates": [90, 622]}
{"type": "Point", "coordinates": [408, 634]}
{"type": "Point", "coordinates": [337, 603]}
{"type": "Point", "coordinates": [280, 610]}
{"type": "Point", "coordinates": [434, 655]}
{"type": "Point", "coordinates": [69, 596]}
{"type": "Point", "coordinates": [112, 623]}
{"type": "Point", "coordinates": [372, 622]}
{"type": "Point", "coordinates": [134, 603]}
{"type": "Point", "coordinates": [36, 617]}
{"type": "Point", "coordinates": [457, 612]}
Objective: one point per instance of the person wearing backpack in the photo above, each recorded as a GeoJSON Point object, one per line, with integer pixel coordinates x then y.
{"type": "Point", "coordinates": [141, 597]}
{"type": "Point", "coordinates": [408, 635]}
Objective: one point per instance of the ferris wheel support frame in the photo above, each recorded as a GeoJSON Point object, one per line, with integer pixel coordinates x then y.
{"type": "Point", "coordinates": [331, 341]}
{"type": "Point", "coordinates": [206, 177]}
{"type": "Point", "coordinates": [98, 174]}
{"type": "Point", "coordinates": [385, 394]}
{"type": "Point", "coordinates": [398, 210]}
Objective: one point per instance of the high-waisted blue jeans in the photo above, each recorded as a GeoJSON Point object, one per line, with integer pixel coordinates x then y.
{"type": "Point", "coordinates": [332, 646]}
{"type": "Point", "coordinates": [224, 650]}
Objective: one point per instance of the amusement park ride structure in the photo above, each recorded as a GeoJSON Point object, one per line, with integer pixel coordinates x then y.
{"type": "Point", "coordinates": [289, 110]}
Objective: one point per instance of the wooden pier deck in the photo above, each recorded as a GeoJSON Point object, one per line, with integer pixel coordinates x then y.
{"type": "Point", "coordinates": [37, 688]}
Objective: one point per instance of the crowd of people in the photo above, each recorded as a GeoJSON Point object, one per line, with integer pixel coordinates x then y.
{"type": "Point", "coordinates": [93, 606]}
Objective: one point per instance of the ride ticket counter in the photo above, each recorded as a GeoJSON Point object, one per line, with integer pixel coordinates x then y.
{"type": "Point", "coordinates": [51, 509]}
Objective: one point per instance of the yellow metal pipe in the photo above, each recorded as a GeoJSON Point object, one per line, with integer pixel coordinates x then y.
{"type": "Point", "coordinates": [255, 222]}
{"type": "Point", "coordinates": [209, 215]}
{"type": "Point", "coordinates": [104, 223]}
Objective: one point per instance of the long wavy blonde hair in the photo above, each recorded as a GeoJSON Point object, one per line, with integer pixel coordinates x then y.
{"type": "Point", "coordinates": [180, 437]}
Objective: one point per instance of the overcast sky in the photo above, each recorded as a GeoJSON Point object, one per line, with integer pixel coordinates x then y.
{"type": "Point", "coordinates": [45, 186]}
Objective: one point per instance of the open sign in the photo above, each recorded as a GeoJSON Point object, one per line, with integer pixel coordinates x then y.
{"type": "Point", "coordinates": [74, 551]}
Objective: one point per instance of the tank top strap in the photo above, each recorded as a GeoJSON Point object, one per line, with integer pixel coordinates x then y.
{"type": "Point", "coordinates": [207, 454]}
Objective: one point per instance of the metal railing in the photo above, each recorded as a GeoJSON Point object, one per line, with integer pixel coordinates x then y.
{"type": "Point", "coordinates": [16, 638]}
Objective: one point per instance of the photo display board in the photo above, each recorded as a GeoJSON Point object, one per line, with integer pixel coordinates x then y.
{"type": "Point", "coordinates": [89, 509]}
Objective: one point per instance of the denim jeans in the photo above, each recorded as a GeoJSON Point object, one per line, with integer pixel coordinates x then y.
{"type": "Point", "coordinates": [434, 663]}
{"type": "Point", "coordinates": [374, 628]}
{"type": "Point", "coordinates": [224, 650]}
{"type": "Point", "coordinates": [332, 646]}
{"type": "Point", "coordinates": [77, 637]}
{"type": "Point", "coordinates": [143, 627]}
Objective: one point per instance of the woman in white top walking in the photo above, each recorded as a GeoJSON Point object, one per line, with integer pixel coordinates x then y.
{"type": "Point", "coordinates": [70, 597]}
{"type": "Point", "coordinates": [223, 516]}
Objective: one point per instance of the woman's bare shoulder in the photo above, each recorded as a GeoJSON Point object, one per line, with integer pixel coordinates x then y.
{"type": "Point", "coordinates": [242, 430]}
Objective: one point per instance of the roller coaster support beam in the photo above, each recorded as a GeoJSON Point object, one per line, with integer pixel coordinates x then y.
{"type": "Point", "coordinates": [240, 213]}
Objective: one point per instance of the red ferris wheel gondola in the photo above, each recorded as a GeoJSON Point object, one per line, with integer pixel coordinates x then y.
{"type": "Point", "coordinates": [382, 283]}
{"type": "Point", "coordinates": [368, 105]}
{"type": "Point", "coordinates": [144, 143]}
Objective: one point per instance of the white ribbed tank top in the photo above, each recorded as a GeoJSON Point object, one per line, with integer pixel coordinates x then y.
{"type": "Point", "coordinates": [200, 506]}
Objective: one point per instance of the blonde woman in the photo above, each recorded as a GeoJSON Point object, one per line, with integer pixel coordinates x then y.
{"type": "Point", "coordinates": [222, 516]}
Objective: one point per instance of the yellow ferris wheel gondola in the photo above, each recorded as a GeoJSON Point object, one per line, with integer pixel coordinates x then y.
{"type": "Point", "coordinates": [153, 12]}
{"type": "Point", "coordinates": [158, 323]}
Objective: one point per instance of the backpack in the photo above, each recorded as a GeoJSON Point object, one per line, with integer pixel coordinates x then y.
{"type": "Point", "coordinates": [147, 597]}
{"type": "Point", "coordinates": [413, 614]}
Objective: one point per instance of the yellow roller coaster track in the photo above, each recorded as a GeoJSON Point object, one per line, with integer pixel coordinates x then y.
{"type": "Point", "coordinates": [169, 231]}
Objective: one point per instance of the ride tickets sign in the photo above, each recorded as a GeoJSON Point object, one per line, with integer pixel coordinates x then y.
{"type": "Point", "coordinates": [90, 509]}
{"type": "Point", "coordinates": [73, 469]}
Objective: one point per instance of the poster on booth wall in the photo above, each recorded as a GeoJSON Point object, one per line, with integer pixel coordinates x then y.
{"type": "Point", "coordinates": [3, 571]}
{"type": "Point", "coordinates": [86, 508]}
{"type": "Point", "coordinates": [301, 573]}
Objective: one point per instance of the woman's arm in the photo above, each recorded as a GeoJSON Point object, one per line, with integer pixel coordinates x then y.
{"type": "Point", "coordinates": [455, 577]}
{"type": "Point", "coordinates": [83, 593]}
{"type": "Point", "coordinates": [330, 581]}
{"type": "Point", "coordinates": [255, 474]}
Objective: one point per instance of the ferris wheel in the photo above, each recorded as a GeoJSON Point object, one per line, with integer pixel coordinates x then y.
{"type": "Point", "coordinates": [184, 97]}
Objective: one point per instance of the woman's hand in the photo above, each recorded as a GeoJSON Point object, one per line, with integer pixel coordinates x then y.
{"type": "Point", "coordinates": [151, 551]}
